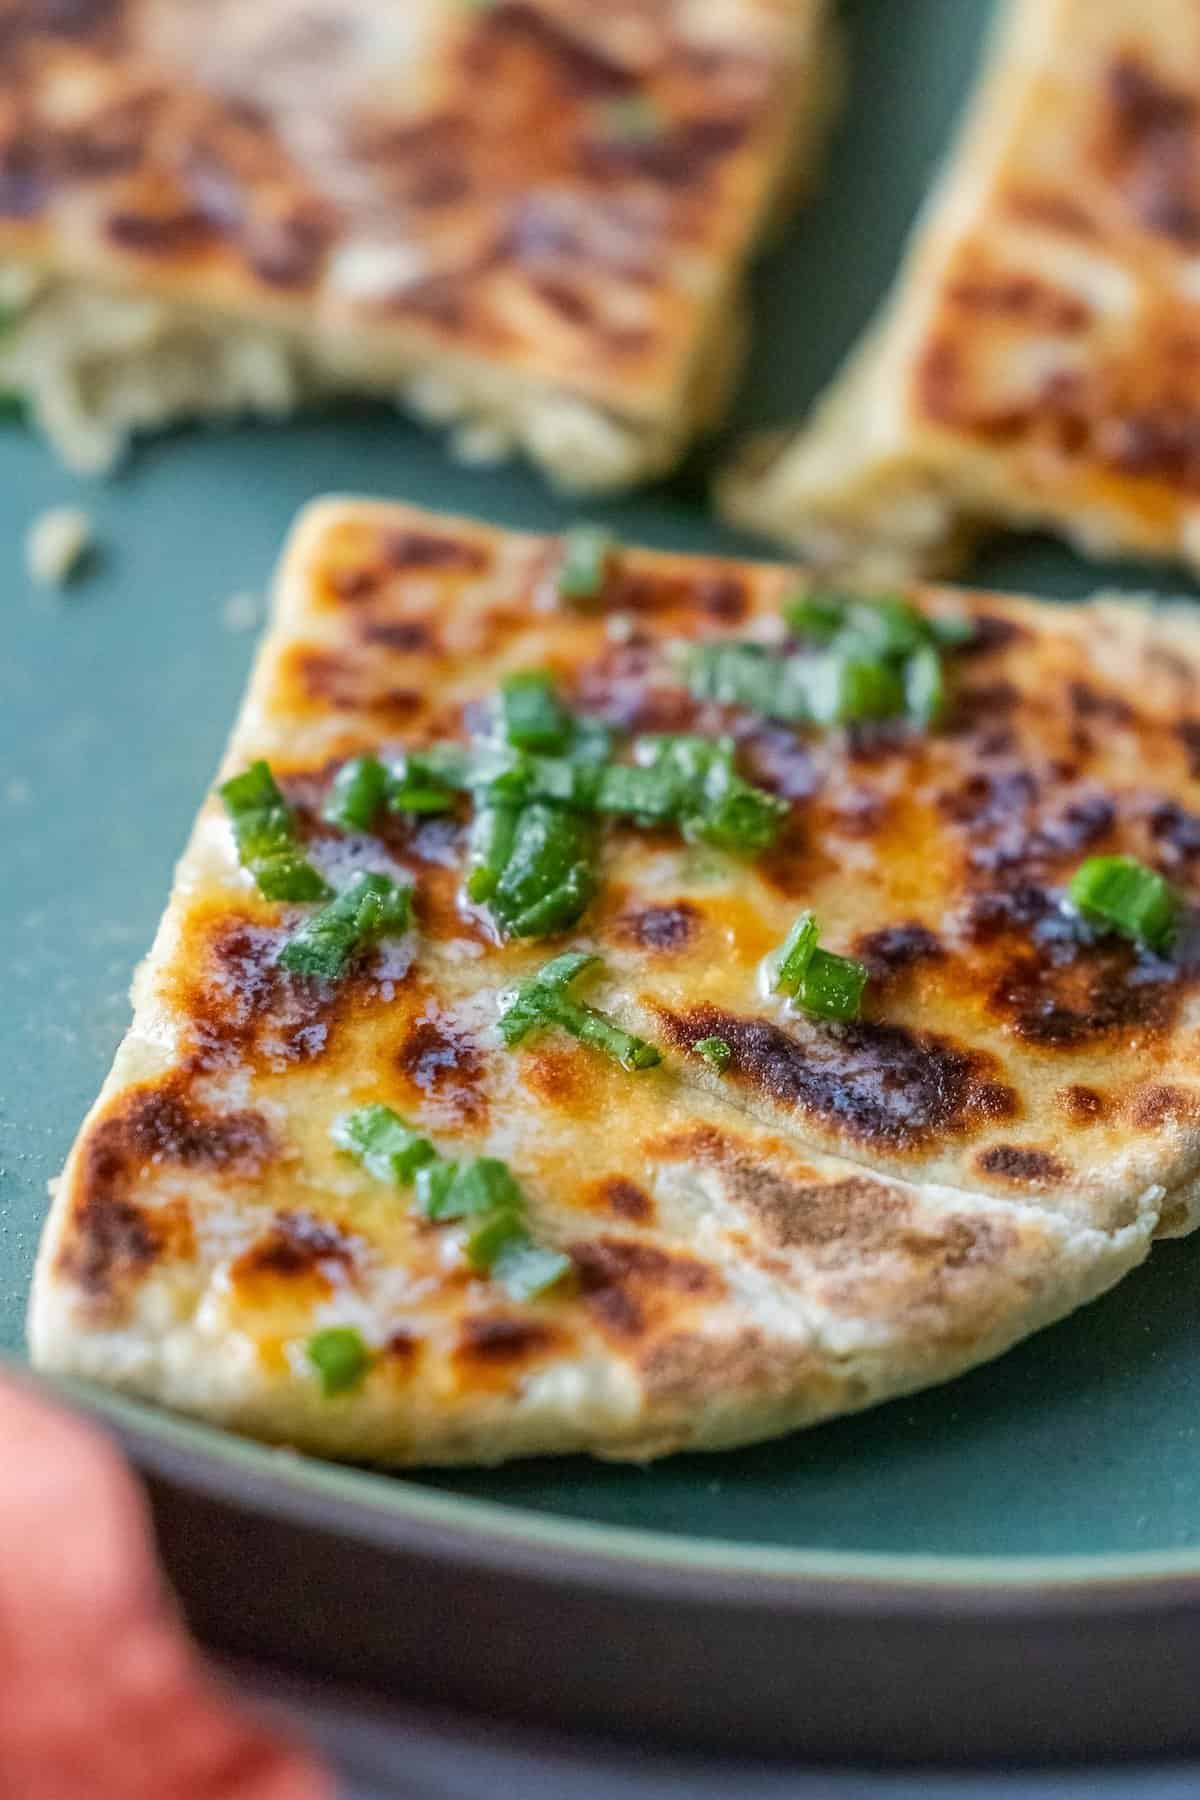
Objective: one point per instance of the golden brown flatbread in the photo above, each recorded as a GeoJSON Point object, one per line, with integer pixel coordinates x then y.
{"type": "Point", "coordinates": [829, 1213]}
{"type": "Point", "coordinates": [528, 218]}
{"type": "Point", "coordinates": [1037, 365]}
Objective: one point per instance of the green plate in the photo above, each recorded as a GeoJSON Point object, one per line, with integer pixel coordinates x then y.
{"type": "Point", "coordinates": [1043, 1513]}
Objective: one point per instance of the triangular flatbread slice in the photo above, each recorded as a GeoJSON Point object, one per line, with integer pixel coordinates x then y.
{"type": "Point", "coordinates": [1037, 363]}
{"type": "Point", "coordinates": [528, 221]}
{"type": "Point", "coordinates": [790, 1215]}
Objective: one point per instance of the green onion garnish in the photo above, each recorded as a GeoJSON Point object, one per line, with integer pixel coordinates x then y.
{"type": "Point", "coordinates": [885, 625]}
{"type": "Point", "coordinates": [549, 872]}
{"type": "Point", "coordinates": [817, 616]}
{"type": "Point", "coordinates": [359, 790]}
{"type": "Point", "coordinates": [433, 1182]}
{"type": "Point", "coordinates": [543, 1000]}
{"type": "Point", "coordinates": [587, 552]}
{"type": "Point", "coordinates": [591, 741]}
{"type": "Point", "coordinates": [716, 1052]}
{"type": "Point", "coordinates": [527, 1269]}
{"type": "Point", "coordinates": [264, 830]}
{"type": "Point", "coordinates": [837, 686]}
{"type": "Point", "coordinates": [483, 1190]}
{"type": "Point", "coordinates": [496, 1233]}
{"type": "Point", "coordinates": [371, 907]}
{"type": "Point", "coordinates": [692, 782]}
{"type": "Point", "coordinates": [426, 781]}
{"type": "Point", "coordinates": [748, 675]}
{"type": "Point", "coordinates": [828, 986]}
{"type": "Point", "coordinates": [682, 780]}
{"type": "Point", "coordinates": [1121, 894]}
{"type": "Point", "coordinates": [382, 1143]}
{"type": "Point", "coordinates": [889, 624]}
{"type": "Point", "coordinates": [534, 840]}
{"type": "Point", "coordinates": [340, 1358]}
{"type": "Point", "coordinates": [502, 1247]}
{"type": "Point", "coordinates": [832, 986]}
{"type": "Point", "coordinates": [492, 832]}
{"type": "Point", "coordinates": [468, 1190]}
{"type": "Point", "coordinates": [872, 659]}
{"type": "Point", "coordinates": [925, 686]}
{"type": "Point", "coordinates": [531, 715]}
{"type": "Point", "coordinates": [796, 954]}
{"type": "Point", "coordinates": [849, 688]}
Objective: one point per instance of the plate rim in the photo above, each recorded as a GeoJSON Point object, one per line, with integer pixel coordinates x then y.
{"type": "Point", "coordinates": [405, 1517]}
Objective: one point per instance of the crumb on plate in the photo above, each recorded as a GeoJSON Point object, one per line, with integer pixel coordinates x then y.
{"type": "Point", "coordinates": [57, 544]}
{"type": "Point", "coordinates": [241, 611]}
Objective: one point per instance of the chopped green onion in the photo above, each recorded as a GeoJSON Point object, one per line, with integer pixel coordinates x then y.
{"type": "Point", "coordinates": [424, 782]}
{"type": "Point", "coordinates": [828, 986]}
{"type": "Point", "coordinates": [340, 1358]}
{"type": "Point", "coordinates": [838, 686]}
{"type": "Point", "coordinates": [683, 780]}
{"type": "Point", "coordinates": [886, 626]}
{"type": "Point", "coordinates": [549, 874]}
{"type": "Point", "coordinates": [875, 659]}
{"type": "Point", "coordinates": [450, 1190]}
{"type": "Point", "coordinates": [371, 907]}
{"type": "Point", "coordinates": [587, 555]}
{"type": "Point", "coordinates": [748, 675]}
{"type": "Point", "coordinates": [527, 1269]}
{"type": "Point", "coordinates": [705, 795]}
{"type": "Point", "coordinates": [889, 625]}
{"type": "Point", "coordinates": [832, 986]}
{"type": "Point", "coordinates": [796, 954]}
{"type": "Point", "coordinates": [849, 689]}
{"type": "Point", "coordinates": [924, 686]}
{"type": "Point", "coordinates": [736, 817]}
{"type": "Point", "coordinates": [591, 741]}
{"type": "Point", "coordinates": [505, 775]}
{"type": "Point", "coordinates": [501, 1247]}
{"type": "Point", "coordinates": [385, 1146]}
{"type": "Point", "coordinates": [543, 1000]}
{"type": "Point", "coordinates": [557, 778]}
{"type": "Point", "coordinates": [716, 1052]}
{"type": "Point", "coordinates": [492, 832]}
{"type": "Point", "coordinates": [483, 1190]}
{"type": "Point", "coordinates": [528, 1008]}
{"type": "Point", "coordinates": [1123, 895]}
{"type": "Point", "coordinates": [531, 715]}
{"type": "Point", "coordinates": [433, 1183]}
{"type": "Point", "coordinates": [534, 839]}
{"type": "Point", "coordinates": [359, 790]}
{"type": "Point", "coordinates": [817, 616]}
{"type": "Point", "coordinates": [497, 1232]}
{"type": "Point", "coordinates": [644, 795]}
{"type": "Point", "coordinates": [264, 830]}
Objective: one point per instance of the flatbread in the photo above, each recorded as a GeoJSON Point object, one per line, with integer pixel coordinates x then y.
{"type": "Point", "coordinates": [846, 1213]}
{"type": "Point", "coordinates": [525, 219]}
{"type": "Point", "coordinates": [1037, 364]}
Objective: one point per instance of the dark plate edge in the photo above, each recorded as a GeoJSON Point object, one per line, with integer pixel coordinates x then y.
{"type": "Point", "coordinates": [433, 1598]}
{"type": "Point", "coordinates": [488, 1536]}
